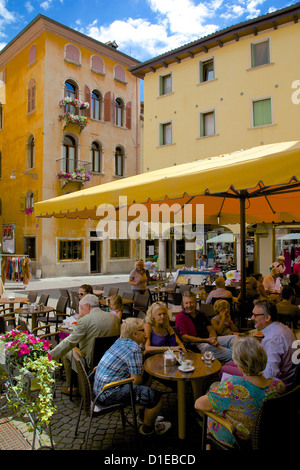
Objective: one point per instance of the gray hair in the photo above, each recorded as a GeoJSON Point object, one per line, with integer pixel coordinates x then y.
{"type": "Point", "coordinates": [249, 355]}
{"type": "Point", "coordinates": [130, 325]}
{"type": "Point", "coordinates": [90, 299]}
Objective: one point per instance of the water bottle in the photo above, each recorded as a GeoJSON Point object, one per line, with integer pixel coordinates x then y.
{"type": "Point", "coordinates": [180, 358]}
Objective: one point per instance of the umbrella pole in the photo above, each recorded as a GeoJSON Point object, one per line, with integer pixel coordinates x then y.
{"type": "Point", "coordinates": [243, 246]}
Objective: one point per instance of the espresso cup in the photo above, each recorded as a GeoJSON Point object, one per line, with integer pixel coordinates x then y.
{"type": "Point", "coordinates": [187, 363]}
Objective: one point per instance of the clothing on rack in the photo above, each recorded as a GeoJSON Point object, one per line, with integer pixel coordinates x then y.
{"type": "Point", "coordinates": [16, 269]}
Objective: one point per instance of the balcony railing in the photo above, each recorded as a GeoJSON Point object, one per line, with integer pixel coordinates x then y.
{"type": "Point", "coordinates": [73, 112]}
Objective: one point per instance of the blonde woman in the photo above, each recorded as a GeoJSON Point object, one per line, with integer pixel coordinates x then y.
{"type": "Point", "coordinates": [222, 322]}
{"type": "Point", "coordinates": [159, 334]}
{"type": "Point", "coordinates": [116, 305]}
{"type": "Point", "coordinates": [138, 278]}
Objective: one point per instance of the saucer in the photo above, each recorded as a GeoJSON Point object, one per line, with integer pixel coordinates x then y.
{"type": "Point", "coordinates": [187, 369]}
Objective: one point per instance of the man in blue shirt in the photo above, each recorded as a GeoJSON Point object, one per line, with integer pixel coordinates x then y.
{"type": "Point", "coordinates": [124, 359]}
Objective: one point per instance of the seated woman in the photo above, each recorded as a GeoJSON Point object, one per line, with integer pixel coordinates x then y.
{"type": "Point", "coordinates": [251, 289]}
{"type": "Point", "coordinates": [238, 399]}
{"type": "Point", "coordinates": [159, 334]}
{"type": "Point", "coordinates": [116, 305]}
{"type": "Point", "coordinates": [222, 322]}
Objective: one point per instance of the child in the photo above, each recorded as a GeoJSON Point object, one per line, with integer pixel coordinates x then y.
{"type": "Point", "coordinates": [116, 305]}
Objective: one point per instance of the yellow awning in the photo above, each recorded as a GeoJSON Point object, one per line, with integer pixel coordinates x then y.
{"type": "Point", "coordinates": [267, 175]}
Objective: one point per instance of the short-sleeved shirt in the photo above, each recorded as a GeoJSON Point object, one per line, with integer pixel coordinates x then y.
{"type": "Point", "coordinates": [121, 360]}
{"type": "Point", "coordinates": [192, 326]}
{"type": "Point", "coordinates": [238, 400]}
{"type": "Point", "coordinates": [141, 278]}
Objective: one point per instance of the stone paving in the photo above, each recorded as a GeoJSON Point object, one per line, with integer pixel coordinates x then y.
{"type": "Point", "coordinates": [107, 434]}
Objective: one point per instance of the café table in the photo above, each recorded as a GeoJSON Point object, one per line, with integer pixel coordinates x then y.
{"type": "Point", "coordinates": [154, 365]}
{"type": "Point", "coordinates": [34, 313]}
{"type": "Point", "coordinates": [12, 301]}
{"type": "Point", "coordinates": [160, 293]}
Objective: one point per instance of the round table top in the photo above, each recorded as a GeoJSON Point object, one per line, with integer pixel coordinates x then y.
{"type": "Point", "coordinates": [38, 310]}
{"type": "Point", "coordinates": [154, 365]}
{"type": "Point", "coordinates": [15, 300]}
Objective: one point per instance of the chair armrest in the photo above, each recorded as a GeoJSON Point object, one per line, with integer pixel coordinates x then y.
{"type": "Point", "coordinates": [10, 315]}
{"type": "Point", "coordinates": [117, 384]}
{"type": "Point", "coordinates": [219, 419]}
{"type": "Point", "coordinates": [40, 328]}
{"type": "Point", "coordinates": [48, 335]}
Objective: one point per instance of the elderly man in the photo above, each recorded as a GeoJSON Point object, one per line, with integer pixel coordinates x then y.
{"type": "Point", "coordinates": [124, 359]}
{"type": "Point", "coordinates": [277, 342]}
{"type": "Point", "coordinates": [219, 292]}
{"type": "Point", "coordinates": [194, 327]}
{"type": "Point", "coordinates": [93, 322]}
{"type": "Point", "coordinates": [272, 282]}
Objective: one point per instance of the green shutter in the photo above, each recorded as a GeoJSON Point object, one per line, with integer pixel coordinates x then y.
{"type": "Point", "coordinates": [201, 125]}
{"type": "Point", "coordinates": [201, 72]}
{"type": "Point", "coordinates": [262, 112]}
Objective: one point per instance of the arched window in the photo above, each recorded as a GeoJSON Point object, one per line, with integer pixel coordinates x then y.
{"type": "Point", "coordinates": [29, 200]}
{"type": "Point", "coordinates": [72, 54]}
{"type": "Point", "coordinates": [96, 157]}
{"type": "Point", "coordinates": [71, 91]}
{"type": "Point", "coordinates": [119, 112]}
{"type": "Point", "coordinates": [97, 64]}
{"type": "Point", "coordinates": [30, 153]}
{"type": "Point", "coordinates": [31, 93]}
{"type": "Point", "coordinates": [119, 161]}
{"type": "Point", "coordinates": [120, 73]}
{"type": "Point", "coordinates": [96, 105]}
{"type": "Point", "coordinates": [69, 154]}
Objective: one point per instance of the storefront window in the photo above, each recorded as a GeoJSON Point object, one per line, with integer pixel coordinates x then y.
{"type": "Point", "coordinates": [287, 244]}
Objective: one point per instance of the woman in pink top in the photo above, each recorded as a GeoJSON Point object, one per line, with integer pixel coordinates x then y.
{"type": "Point", "coordinates": [296, 268]}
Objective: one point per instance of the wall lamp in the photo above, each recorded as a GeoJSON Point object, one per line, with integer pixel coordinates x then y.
{"type": "Point", "coordinates": [31, 175]}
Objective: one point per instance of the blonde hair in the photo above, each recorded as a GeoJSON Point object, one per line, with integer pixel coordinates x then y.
{"type": "Point", "coordinates": [139, 261]}
{"type": "Point", "coordinates": [220, 282]}
{"type": "Point", "coordinates": [249, 355]}
{"type": "Point", "coordinates": [153, 309]}
{"type": "Point", "coordinates": [220, 304]}
{"type": "Point", "coordinates": [117, 301]}
{"type": "Point", "coordinates": [129, 326]}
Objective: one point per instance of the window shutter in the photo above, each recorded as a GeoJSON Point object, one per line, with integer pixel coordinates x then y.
{"type": "Point", "coordinates": [120, 73]}
{"type": "Point", "coordinates": [72, 53]}
{"type": "Point", "coordinates": [97, 64]}
{"type": "Point", "coordinates": [87, 94]}
{"type": "Point", "coordinates": [128, 115]}
{"type": "Point", "coordinates": [32, 54]}
{"type": "Point", "coordinates": [22, 202]}
{"type": "Point", "coordinates": [107, 106]}
{"type": "Point", "coordinates": [28, 100]}
{"type": "Point", "coordinates": [35, 196]}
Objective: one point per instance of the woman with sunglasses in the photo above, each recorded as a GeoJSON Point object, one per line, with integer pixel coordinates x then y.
{"type": "Point", "coordinates": [160, 336]}
{"type": "Point", "coordinates": [84, 290]}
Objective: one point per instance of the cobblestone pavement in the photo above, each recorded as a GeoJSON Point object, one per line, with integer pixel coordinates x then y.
{"type": "Point", "coordinates": [107, 434]}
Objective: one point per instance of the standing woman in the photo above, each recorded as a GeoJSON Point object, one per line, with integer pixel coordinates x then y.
{"type": "Point", "coordinates": [138, 278]}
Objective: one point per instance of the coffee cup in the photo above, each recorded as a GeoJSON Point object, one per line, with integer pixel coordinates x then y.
{"type": "Point", "coordinates": [187, 364]}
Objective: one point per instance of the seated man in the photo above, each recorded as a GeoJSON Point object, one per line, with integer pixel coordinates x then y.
{"type": "Point", "coordinates": [286, 307]}
{"type": "Point", "coordinates": [122, 360]}
{"type": "Point", "coordinates": [194, 327]}
{"type": "Point", "coordinates": [219, 292]}
{"type": "Point", "coordinates": [272, 282]}
{"type": "Point", "coordinates": [277, 342]}
{"type": "Point", "coordinates": [93, 322]}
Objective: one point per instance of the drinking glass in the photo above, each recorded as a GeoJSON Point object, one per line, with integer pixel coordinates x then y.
{"type": "Point", "coordinates": [208, 358]}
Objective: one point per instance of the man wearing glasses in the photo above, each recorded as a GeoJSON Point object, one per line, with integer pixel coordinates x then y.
{"type": "Point", "coordinates": [124, 359]}
{"type": "Point", "coordinates": [277, 342]}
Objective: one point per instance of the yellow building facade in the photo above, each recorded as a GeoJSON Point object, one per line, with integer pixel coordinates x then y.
{"type": "Point", "coordinates": [235, 89]}
{"type": "Point", "coordinates": [68, 103]}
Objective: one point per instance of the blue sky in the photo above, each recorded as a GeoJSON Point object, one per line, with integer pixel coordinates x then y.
{"type": "Point", "coordinates": [141, 28]}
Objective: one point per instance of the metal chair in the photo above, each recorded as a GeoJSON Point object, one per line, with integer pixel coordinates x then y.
{"type": "Point", "coordinates": [184, 288]}
{"type": "Point", "coordinates": [7, 322]}
{"type": "Point", "coordinates": [99, 287]}
{"type": "Point", "coordinates": [101, 345]}
{"type": "Point", "coordinates": [274, 415]}
{"type": "Point", "coordinates": [43, 299]}
{"type": "Point", "coordinates": [113, 291]}
{"type": "Point", "coordinates": [59, 313]}
{"type": "Point", "coordinates": [141, 302]}
{"type": "Point", "coordinates": [32, 296]}
{"type": "Point", "coordinates": [127, 309]}
{"type": "Point", "coordinates": [74, 302]}
{"type": "Point", "coordinates": [89, 403]}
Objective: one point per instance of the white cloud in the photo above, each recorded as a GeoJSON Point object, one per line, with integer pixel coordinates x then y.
{"type": "Point", "coordinates": [29, 7]}
{"type": "Point", "coordinates": [177, 22]}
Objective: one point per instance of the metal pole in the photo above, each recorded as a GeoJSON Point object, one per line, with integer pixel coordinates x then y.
{"type": "Point", "coordinates": [243, 246]}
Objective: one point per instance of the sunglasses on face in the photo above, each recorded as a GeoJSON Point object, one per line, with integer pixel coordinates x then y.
{"type": "Point", "coordinates": [80, 294]}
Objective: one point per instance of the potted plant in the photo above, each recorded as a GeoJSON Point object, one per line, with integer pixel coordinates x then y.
{"type": "Point", "coordinates": [28, 361]}
{"type": "Point", "coordinates": [78, 174]}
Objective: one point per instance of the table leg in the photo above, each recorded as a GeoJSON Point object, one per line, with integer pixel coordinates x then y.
{"type": "Point", "coordinates": [181, 396]}
{"type": "Point", "coordinates": [33, 320]}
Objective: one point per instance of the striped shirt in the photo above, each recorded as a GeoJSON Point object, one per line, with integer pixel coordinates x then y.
{"type": "Point", "coordinates": [121, 360]}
